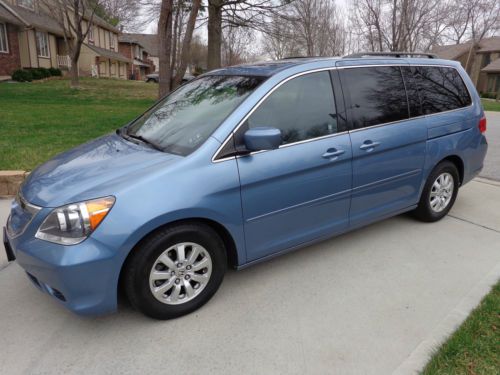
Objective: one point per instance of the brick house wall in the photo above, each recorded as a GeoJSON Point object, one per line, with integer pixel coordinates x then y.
{"type": "Point", "coordinates": [126, 50]}
{"type": "Point", "coordinates": [10, 61]}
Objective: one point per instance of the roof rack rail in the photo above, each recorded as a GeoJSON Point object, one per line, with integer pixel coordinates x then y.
{"type": "Point", "coordinates": [392, 54]}
{"type": "Point", "coordinates": [300, 57]}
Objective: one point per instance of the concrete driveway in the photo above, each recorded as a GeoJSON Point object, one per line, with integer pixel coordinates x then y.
{"type": "Point", "coordinates": [492, 162]}
{"type": "Point", "coordinates": [374, 301]}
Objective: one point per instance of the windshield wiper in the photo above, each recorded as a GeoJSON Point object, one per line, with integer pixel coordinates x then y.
{"type": "Point", "coordinates": [131, 137]}
{"type": "Point", "coordinates": [147, 141]}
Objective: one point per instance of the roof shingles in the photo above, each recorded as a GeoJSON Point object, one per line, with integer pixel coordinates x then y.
{"type": "Point", "coordinates": [454, 51]}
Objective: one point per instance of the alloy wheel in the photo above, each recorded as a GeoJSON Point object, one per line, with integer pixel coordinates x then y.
{"type": "Point", "coordinates": [180, 273]}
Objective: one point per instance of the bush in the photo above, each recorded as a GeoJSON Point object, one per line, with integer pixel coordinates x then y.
{"type": "Point", "coordinates": [44, 72]}
{"type": "Point", "coordinates": [55, 72]}
{"type": "Point", "coordinates": [488, 95]}
{"type": "Point", "coordinates": [21, 75]}
{"type": "Point", "coordinates": [36, 74]}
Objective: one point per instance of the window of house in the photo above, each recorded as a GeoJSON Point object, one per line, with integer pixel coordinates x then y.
{"type": "Point", "coordinates": [486, 59]}
{"type": "Point", "coordinates": [302, 108]}
{"type": "Point", "coordinates": [42, 44]}
{"type": "Point", "coordinates": [30, 4]}
{"type": "Point", "coordinates": [376, 94]}
{"type": "Point", "coordinates": [4, 47]}
{"type": "Point", "coordinates": [112, 40]}
{"type": "Point", "coordinates": [441, 89]}
{"type": "Point", "coordinates": [493, 83]}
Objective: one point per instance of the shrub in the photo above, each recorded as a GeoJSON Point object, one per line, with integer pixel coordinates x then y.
{"type": "Point", "coordinates": [45, 73]}
{"type": "Point", "coordinates": [489, 95]}
{"type": "Point", "coordinates": [55, 72]}
{"type": "Point", "coordinates": [36, 74]}
{"type": "Point", "coordinates": [22, 75]}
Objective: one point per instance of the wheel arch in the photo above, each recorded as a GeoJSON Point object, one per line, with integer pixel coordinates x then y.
{"type": "Point", "coordinates": [221, 230]}
{"type": "Point", "coordinates": [459, 163]}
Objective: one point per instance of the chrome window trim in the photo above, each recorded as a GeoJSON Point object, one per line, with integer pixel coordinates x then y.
{"type": "Point", "coordinates": [254, 108]}
{"type": "Point", "coordinates": [29, 207]}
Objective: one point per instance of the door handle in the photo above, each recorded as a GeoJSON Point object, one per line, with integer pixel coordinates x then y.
{"type": "Point", "coordinates": [368, 145]}
{"type": "Point", "coordinates": [332, 152]}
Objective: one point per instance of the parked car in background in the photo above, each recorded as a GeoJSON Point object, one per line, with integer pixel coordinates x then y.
{"type": "Point", "coordinates": [155, 77]}
{"type": "Point", "coordinates": [240, 165]}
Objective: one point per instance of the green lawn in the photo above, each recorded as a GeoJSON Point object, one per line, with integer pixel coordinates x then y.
{"type": "Point", "coordinates": [491, 105]}
{"type": "Point", "coordinates": [474, 349]}
{"type": "Point", "coordinates": [39, 120]}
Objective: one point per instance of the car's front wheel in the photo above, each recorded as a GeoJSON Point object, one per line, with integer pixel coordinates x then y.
{"type": "Point", "coordinates": [439, 194]}
{"type": "Point", "coordinates": [175, 271]}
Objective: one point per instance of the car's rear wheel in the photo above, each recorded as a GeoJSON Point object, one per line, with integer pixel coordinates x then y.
{"type": "Point", "coordinates": [175, 271]}
{"type": "Point", "coordinates": [439, 194]}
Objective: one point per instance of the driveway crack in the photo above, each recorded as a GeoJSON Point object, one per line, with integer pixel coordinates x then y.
{"type": "Point", "coordinates": [473, 223]}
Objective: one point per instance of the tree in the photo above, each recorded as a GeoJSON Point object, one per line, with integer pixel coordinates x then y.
{"type": "Point", "coordinates": [483, 18]}
{"type": "Point", "coordinates": [236, 13]}
{"type": "Point", "coordinates": [307, 28]}
{"type": "Point", "coordinates": [175, 38]}
{"type": "Point", "coordinates": [71, 15]}
{"type": "Point", "coordinates": [398, 25]}
{"type": "Point", "coordinates": [121, 13]}
{"type": "Point", "coordinates": [165, 47]}
{"type": "Point", "coordinates": [236, 42]}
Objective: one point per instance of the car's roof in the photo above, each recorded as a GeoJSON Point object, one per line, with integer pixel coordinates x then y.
{"type": "Point", "coordinates": [269, 68]}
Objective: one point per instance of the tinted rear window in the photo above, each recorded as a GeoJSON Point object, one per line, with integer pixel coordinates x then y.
{"type": "Point", "coordinates": [441, 89]}
{"type": "Point", "coordinates": [376, 95]}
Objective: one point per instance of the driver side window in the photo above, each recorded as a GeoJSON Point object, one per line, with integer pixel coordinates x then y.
{"type": "Point", "coordinates": [302, 108]}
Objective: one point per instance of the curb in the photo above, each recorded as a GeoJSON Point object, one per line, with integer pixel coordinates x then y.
{"type": "Point", "coordinates": [421, 355]}
{"type": "Point", "coordinates": [486, 180]}
{"type": "Point", "coordinates": [10, 182]}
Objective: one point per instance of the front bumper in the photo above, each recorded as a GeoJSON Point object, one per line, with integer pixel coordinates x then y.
{"type": "Point", "coordinates": [83, 277]}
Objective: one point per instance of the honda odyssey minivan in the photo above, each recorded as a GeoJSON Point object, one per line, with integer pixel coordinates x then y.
{"type": "Point", "coordinates": [240, 165]}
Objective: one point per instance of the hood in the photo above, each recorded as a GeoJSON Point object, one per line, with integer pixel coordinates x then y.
{"type": "Point", "coordinates": [95, 169]}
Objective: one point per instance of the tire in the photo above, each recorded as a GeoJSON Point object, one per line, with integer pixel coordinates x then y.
{"type": "Point", "coordinates": [183, 296]}
{"type": "Point", "coordinates": [430, 212]}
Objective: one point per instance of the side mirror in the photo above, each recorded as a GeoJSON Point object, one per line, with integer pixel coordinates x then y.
{"type": "Point", "coordinates": [262, 138]}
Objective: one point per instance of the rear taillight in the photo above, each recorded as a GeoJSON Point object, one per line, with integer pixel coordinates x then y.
{"type": "Point", "coordinates": [482, 124]}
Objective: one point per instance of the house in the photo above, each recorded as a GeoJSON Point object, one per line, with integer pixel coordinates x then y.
{"type": "Point", "coordinates": [27, 39]}
{"type": "Point", "coordinates": [150, 43]}
{"type": "Point", "coordinates": [100, 54]}
{"type": "Point", "coordinates": [482, 61]}
{"type": "Point", "coordinates": [141, 64]}
{"type": "Point", "coordinates": [31, 38]}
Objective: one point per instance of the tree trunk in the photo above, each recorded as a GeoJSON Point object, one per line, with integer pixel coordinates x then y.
{"type": "Point", "coordinates": [174, 38]}
{"type": "Point", "coordinates": [75, 56]}
{"type": "Point", "coordinates": [214, 34]}
{"type": "Point", "coordinates": [165, 36]}
{"type": "Point", "coordinates": [186, 43]}
{"type": "Point", "coordinates": [73, 72]}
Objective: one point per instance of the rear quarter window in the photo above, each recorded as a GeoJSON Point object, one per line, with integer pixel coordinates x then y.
{"type": "Point", "coordinates": [441, 89]}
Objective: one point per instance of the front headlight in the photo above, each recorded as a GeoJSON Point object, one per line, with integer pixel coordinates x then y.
{"type": "Point", "coordinates": [71, 224]}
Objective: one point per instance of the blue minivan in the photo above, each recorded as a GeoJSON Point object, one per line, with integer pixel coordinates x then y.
{"type": "Point", "coordinates": [240, 165]}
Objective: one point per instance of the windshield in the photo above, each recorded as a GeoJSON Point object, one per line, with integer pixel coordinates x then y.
{"type": "Point", "coordinates": [183, 120]}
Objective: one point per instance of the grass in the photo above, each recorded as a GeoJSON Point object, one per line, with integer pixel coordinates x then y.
{"type": "Point", "coordinates": [474, 349]}
{"type": "Point", "coordinates": [41, 119]}
{"type": "Point", "coordinates": [491, 105]}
